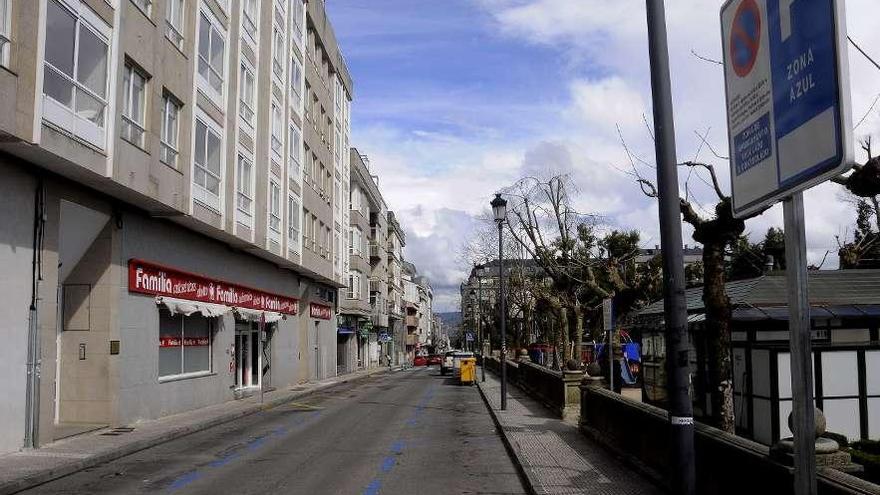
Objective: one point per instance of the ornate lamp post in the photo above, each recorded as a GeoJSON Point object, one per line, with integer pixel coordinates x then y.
{"type": "Point", "coordinates": [499, 211]}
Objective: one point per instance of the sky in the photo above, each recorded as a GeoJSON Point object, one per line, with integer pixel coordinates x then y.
{"type": "Point", "coordinates": [457, 99]}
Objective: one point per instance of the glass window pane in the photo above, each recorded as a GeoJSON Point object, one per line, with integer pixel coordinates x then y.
{"type": "Point", "coordinates": [59, 88]}
{"type": "Point", "coordinates": [217, 45]}
{"type": "Point", "coordinates": [196, 344]}
{"type": "Point", "coordinates": [199, 176]}
{"type": "Point", "coordinates": [60, 34]}
{"type": "Point", "coordinates": [212, 184]}
{"type": "Point", "coordinates": [172, 124]}
{"type": "Point", "coordinates": [126, 89]}
{"type": "Point", "coordinates": [92, 61]}
{"type": "Point", "coordinates": [201, 138]}
{"type": "Point", "coordinates": [89, 108]}
{"type": "Point", "coordinates": [138, 96]}
{"type": "Point", "coordinates": [169, 344]}
{"type": "Point", "coordinates": [213, 163]}
{"type": "Point", "coordinates": [204, 37]}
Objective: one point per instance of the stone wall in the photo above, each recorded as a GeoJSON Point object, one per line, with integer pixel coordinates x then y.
{"type": "Point", "coordinates": [556, 390]}
{"type": "Point", "coordinates": [726, 464]}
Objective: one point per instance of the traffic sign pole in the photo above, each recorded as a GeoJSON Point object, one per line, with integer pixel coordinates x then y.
{"type": "Point", "coordinates": [681, 416]}
{"type": "Point", "coordinates": [804, 422]}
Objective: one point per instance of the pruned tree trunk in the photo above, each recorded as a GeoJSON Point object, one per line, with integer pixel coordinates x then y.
{"type": "Point", "coordinates": [563, 336]}
{"type": "Point", "coordinates": [576, 326]}
{"type": "Point", "coordinates": [718, 317]}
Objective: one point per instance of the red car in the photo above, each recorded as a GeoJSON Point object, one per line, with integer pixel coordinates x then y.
{"type": "Point", "coordinates": [420, 361]}
{"type": "Point", "coordinates": [435, 359]}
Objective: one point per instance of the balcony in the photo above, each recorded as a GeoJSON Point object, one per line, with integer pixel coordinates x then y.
{"type": "Point", "coordinates": [411, 340]}
{"type": "Point", "coordinates": [412, 321]}
{"type": "Point", "coordinates": [375, 252]}
{"type": "Point", "coordinates": [377, 285]}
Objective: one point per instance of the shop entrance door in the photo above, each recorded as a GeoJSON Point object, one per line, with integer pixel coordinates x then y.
{"type": "Point", "coordinates": [247, 355]}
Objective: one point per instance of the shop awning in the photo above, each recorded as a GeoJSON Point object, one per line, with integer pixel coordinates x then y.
{"type": "Point", "coordinates": [254, 315]}
{"type": "Point", "coordinates": [186, 307]}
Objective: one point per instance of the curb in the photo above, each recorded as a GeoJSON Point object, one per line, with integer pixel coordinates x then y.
{"type": "Point", "coordinates": [55, 473]}
{"type": "Point", "coordinates": [525, 473]}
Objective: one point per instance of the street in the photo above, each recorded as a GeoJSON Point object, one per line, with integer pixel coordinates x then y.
{"type": "Point", "coordinates": [397, 433]}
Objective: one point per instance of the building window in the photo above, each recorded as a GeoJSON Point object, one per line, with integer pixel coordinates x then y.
{"type": "Point", "coordinates": [356, 241]}
{"type": "Point", "coordinates": [274, 205]}
{"type": "Point", "coordinates": [133, 102]}
{"type": "Point", "coordinates": [184, 344]}
{"type": "Point", "coordinates": [277, 131]}
{"type": "Point", "coordinates": [294, 158]}
{"type": "Point", "coordinates": [298, 14]}
{"type": "Point", "coordinates": [207, 167]}
{"type": "Point", "coordinates": [75, 71]}
{"type": "Point", "coordinates": [244, 201]}
{"type": "Point", "coordinates": [249, 18]}
{"type": "Point", "coordinates": [248, 95]}
{"type": "Point", "coordinates": [307, 169]}
{"type": "Point", "coordinates": [278, 52]}
{"type": "Point", "coordinates": [174, 22]}
{"type": "Point", "coordinates": [296, 77]}
{"type": "Point", "coordinates": [145, 6]}
{"type": "Point", "coordinates": [168, 143]}
{"type": "Point", "coordinates": [211, 57]}
{"type": "Point", "coordinates": [354, 285]}
{"type": "Point", "coordinates": [5, 31]}
{"type": "Point", "coordinates": [293, 212]}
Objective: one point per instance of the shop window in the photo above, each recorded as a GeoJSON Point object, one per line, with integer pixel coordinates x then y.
{"type": "Point", "coordinates": [184, 344]}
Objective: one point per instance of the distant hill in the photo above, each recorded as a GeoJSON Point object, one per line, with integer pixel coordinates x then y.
{"type": "Point", "coordinates": [451, 319]}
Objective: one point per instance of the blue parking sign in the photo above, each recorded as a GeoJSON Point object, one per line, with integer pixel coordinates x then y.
{"type": "Point", "coordinates": [788, 108]}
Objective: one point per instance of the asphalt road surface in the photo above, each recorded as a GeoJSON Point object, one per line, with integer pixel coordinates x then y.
{"type": "Point", "coordinates": [409, 432]}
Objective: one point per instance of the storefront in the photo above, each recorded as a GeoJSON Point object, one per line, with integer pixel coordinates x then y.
{"type": "Point", "coordinates": [322, 342]}
{"type": "Point", "coordinates": [190, 311]}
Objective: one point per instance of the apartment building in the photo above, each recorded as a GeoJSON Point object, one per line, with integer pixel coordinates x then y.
{"type": "Point", "coordinates": [362, 301]}
{"type": "Point", "coordinates": [173, 173]}
{"type": "Point", "coordinates": [396, 240]}
{"type": "Point", "coordinates": [418, 298]}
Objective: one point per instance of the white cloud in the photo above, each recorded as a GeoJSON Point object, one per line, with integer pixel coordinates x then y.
{"type": "Point", "coordinates": [437, 180]}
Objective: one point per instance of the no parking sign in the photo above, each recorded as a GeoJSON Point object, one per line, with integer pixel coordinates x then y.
{"type": "Point", "coordinates": [788, 109]}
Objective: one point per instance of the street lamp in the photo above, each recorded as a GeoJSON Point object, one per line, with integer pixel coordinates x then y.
{"type": "Point", "coordinates": [499, 210]}
{"type": "Point", "coordinates": [481, 271]}
{"type": "Point", "coordinates": [475, 313]}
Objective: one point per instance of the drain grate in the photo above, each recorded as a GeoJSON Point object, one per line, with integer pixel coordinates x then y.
{"type": "Point", "coordinates": [115, 432]}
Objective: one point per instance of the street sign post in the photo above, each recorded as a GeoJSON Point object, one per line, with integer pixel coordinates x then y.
{"type": "Point", "coordinates": [608, 323]}
{"type": "Point", "coordinates": [789, 128]}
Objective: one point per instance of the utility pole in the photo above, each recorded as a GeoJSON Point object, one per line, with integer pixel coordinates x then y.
{"type": "Point", "coordinates": [681, 420]}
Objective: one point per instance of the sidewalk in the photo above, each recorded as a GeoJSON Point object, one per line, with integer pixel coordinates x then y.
{"type": "Point", "coordinates": [554, 456]}
{"type": "Point", "coordinates": [25, 469]}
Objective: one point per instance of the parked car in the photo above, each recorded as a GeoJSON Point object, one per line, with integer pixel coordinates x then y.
{"type": "Point", "coordinates": [420, 361]}
{"type": "Point", "coordinates": [435, 359]}
{"type": "Point", "coordinates": [448, 362]}
{"type": "Point", "coordinates": [452, 361]}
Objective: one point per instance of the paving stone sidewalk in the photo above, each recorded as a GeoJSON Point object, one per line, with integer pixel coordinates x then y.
{"type": "Point", "coordinates": [28, 468]}
{"type": "Point", "coordinates": [555, 457]}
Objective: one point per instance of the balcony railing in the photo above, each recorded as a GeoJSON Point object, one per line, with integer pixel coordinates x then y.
{"type": "Point", "coordinates": [377, 286]}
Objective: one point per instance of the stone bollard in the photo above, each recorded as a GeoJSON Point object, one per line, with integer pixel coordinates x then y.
{"type": "Point", "coordinates": [588, 382]}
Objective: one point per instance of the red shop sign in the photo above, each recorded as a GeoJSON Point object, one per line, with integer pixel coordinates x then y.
{"type": "Point", "coordinates": [320, 311]}
{"type": "Point", "coordinates": [186, 342]}
{"type": "Point", "coordinates": [157, 280]}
